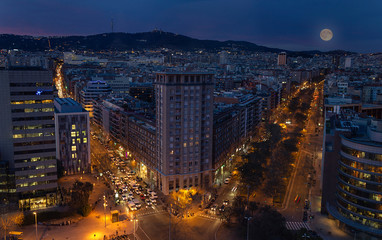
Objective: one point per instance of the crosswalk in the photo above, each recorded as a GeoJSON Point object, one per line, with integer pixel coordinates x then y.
{"type": "Point", "coordinates": [297, 225]}
{"type": "Point", "coordinates": [207, 216]}
{"type": "Point", "coordinates": [149, 212]}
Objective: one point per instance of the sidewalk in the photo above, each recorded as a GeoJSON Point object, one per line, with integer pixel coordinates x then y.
{"type": "Point", "coordinates": [90, 227]}
{"type": "Point", "coordinates": [324, 226]}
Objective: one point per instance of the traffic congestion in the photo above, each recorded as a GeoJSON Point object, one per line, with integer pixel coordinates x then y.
{"type": "Point", "coordinates": [127, 188]}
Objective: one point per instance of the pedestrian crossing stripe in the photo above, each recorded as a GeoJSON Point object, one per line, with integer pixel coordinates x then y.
{"type": "Point", "coordinates": [207, 216]}
{"type": "Point", "coordinates": [297, 225]}
{"type": "Point", "coordinates": [149, 213]}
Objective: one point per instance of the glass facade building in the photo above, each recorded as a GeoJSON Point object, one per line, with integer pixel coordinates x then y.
{"type": "Point", "coordinates": [359, 180]}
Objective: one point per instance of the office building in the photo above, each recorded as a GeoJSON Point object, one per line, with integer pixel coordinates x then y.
{"type": "Point", "coordinates": [93, 91]}
{"type": "Point", "coordinates": [27, 141]}
{"type": "Point", "coordinates": [348, 62]}
{"type": "Point", "coordinates": [184, 117]}
{"type": "Point", "coordinates": [352, 174]}
{"type": "Point", "coordinates": [281, 59]}
{"type": "Point", "coordinates": [72, 136]}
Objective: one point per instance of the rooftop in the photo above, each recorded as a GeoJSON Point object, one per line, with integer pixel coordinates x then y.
{"type": "Point", "coordinates": [67, 105]}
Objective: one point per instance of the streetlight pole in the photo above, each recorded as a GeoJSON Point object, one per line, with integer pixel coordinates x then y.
{"type": "Point", "coordinates": [169, 224]}
{"type": "Point", "coordinates": [104, 207]}
{"type": "Point", "coordinates": [35, 219]}
{"type": "Point", "coordinates": [135, 220]}
{"type": "Point", "coordinates": [248, 219]}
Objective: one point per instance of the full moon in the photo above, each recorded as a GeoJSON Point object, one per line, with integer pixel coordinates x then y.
{"type": "Point", "coordinates": [326, 34]}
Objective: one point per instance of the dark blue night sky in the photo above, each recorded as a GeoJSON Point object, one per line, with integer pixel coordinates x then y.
{"type": "Point", "coordinates": [289, 24]}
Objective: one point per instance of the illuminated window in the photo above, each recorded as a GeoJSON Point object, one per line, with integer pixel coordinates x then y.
{"type": "Point", "coordinates": [172, 152]}
{"type": "Point", "coordinates": [79, 140]}
{"type": "Point", "coordinates": [17, 136]}
{"type": "Point", "coordinates": [184, 144]}
{"type": "Point", "coordinates": [73, 134]}
{"type": "Point", "coordinates": [84, 133]}
{"type": "Point", "coordinates": [85, 140]}
{"type": "Point", "coordinates": [78, 133]}
{"type": "Point", "coordinates": [73, 155]}
{"type": "Point", "coordinates": [73, 141]}
{"type": "Point", "coordinates": [74, 148]}
{"type": "Point", "coordinates": [73, 127]}
{"type": "Point", "coordinates": [47, 109]}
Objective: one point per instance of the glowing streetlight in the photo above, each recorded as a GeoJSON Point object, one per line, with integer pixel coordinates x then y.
{"type": "Point", "coordinates": [104, 207]}
{"type": "Point", "coordinates": [35, 219]}
{"type": "Point", "coordinates": [134, 220]}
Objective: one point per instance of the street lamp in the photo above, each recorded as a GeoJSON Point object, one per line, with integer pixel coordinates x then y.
{"type": "Point", "coordinates": [104, 207]}
{"type": "Point", "coordinates": [35, 219]}
{"type": "Point", "coordinates": [248, 219]}
{"type": "Point", "coordinates": [134, 220]}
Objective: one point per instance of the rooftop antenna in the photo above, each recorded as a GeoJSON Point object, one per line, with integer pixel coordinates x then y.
{"type": "Point", "coordinates": [112, 25]}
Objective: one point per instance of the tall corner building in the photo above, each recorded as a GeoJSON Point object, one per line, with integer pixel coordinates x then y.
{"type": "Point", "coordinates": [184, 124]}
{"type": "Point", "coordinates": [352, 174]}
{"type": "Point", "coordinates": [27, 142]}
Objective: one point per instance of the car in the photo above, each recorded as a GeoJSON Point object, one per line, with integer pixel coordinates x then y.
{"type": "Point", "coordinates": [226, 181]}
{"type": "Point", "coordinates": [221, 209]}
{"type": "Point", "coordinates": [142, 197]}
{"type": "Point", "coordinates": [226, 202]}
{"type": "Point", "coordinates": [149, 190]}
{"type": "Point", "coordinates": [132, 206]}
{"type": "Point", "coordinates": [148, 202]}
{"type": "Point", "coordinates": [124, 197]}
{"type": "Point", "coordinates": [130, 194]}
{"type": "Point", "coordinates": [137, 203]}
{"type": "Point", "coordinates": [306, 204]}
{"type": "Point", "coordinates": [137, 192]}
{"type": "Point", "coordinates": [214, 208]}
{"type": "Point", "coordinates": [153, 200]}
{"type": "Point", "coordinates": [154, 195]}
{"type": "Point", "coordinates": [305, 216]}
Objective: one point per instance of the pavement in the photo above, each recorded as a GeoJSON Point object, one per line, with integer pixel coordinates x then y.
{"type": "Point", "coordinates": [90, 227]}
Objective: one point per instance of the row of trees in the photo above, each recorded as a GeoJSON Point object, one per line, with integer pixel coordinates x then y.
{"type": "Point", "coordinates": [77, 197]}
{"type": "Point", "coordinates": [275, 151]}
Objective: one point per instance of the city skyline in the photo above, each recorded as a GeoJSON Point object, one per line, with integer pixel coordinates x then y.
{"type": "Point", "coordinates": [290, 26]}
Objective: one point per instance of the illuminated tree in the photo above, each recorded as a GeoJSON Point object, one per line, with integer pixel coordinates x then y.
{"type": "Point", "coordinates": [9, 220]}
